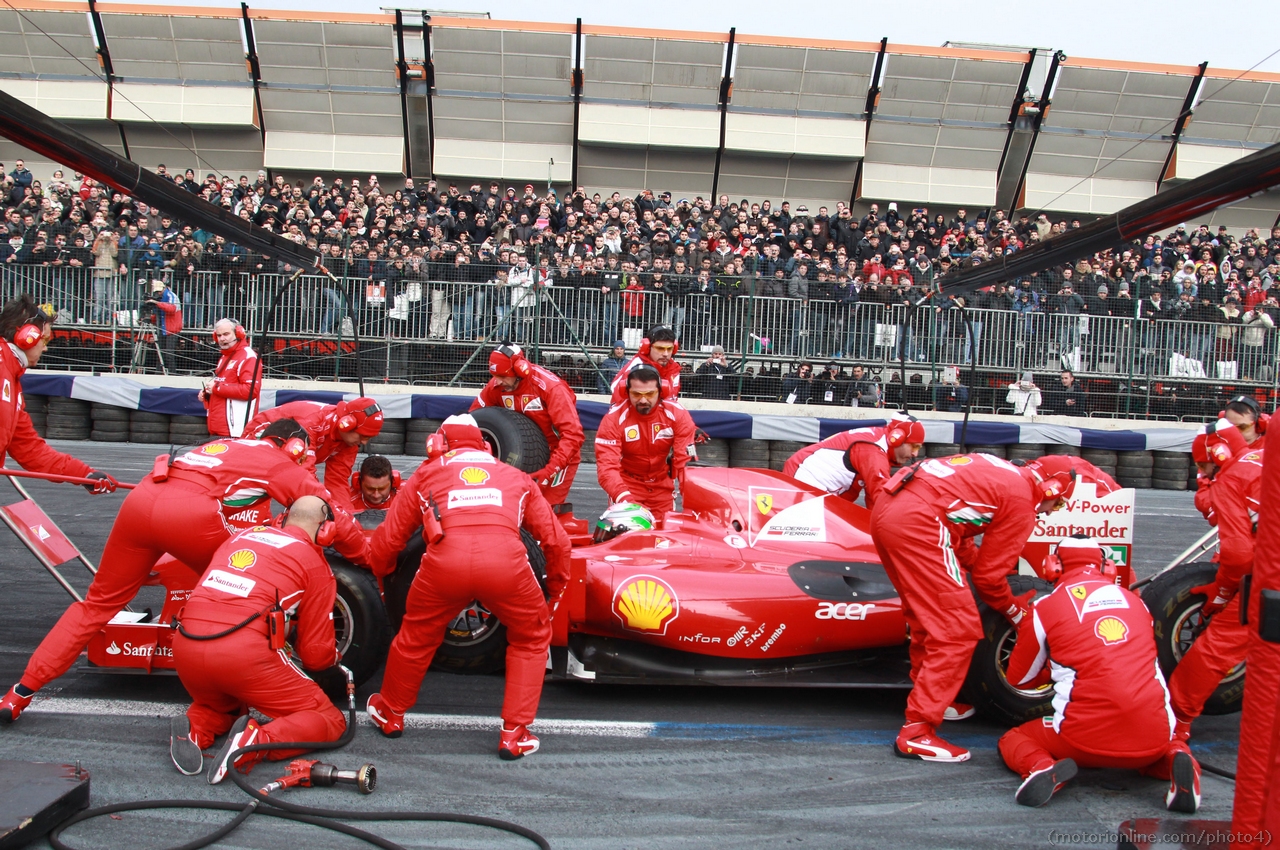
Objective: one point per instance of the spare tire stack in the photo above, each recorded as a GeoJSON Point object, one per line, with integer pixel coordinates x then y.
{"type": "Point", "coordinates": [1133, 469]}
{"type": "Point", "coordinates": [38, 409]}
{"type": "Point", "coordinates": [941, 449]}
{"type": "Point", "coordinates": [1104, 459]}
{"type": "Point", "coordinates": [995, 451]}
{"type": "Point", "coordinates": [1172, 470]}
{"type": "Point", "coordinates": [390, 441]}
{"type": "Point", "coordinates": [110, 423]}
{"type": "Point", "coordinates": [148, 427]}
{"type": "Point", "coordinates": [188, 430]}
{"type": "Point", "coordinates": [1025, 451]}
{"type": "Point", "coordinates": [69, 419]}
{"type": "Point", "coordinates": [714, 452]}
{"type": "Point", "coordinates": [416, 432]}
{"type": "Point", "coordinates": [749, 453]}
{"type": "Point", "coordinates": [1051, 449]}
{"type": "Point", "coordinates": [781, 450]}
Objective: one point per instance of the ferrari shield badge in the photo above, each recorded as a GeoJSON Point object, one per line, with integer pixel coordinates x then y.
{"type": "Point", "coordinates": [764, 502]}
{"type": "Point", "coordinates": [645, 604]}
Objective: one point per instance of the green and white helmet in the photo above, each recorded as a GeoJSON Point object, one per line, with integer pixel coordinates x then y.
{"type": "Point", "coordinates": [621, 518]}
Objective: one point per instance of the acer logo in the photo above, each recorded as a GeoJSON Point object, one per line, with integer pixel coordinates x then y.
{"type": "Point", "coordinates": [843, 610]}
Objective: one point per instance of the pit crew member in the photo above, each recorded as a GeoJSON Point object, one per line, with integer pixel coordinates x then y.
{"type": "Point", "coordinates": [1244, 412]}
{"type": "Point", "coordinates": [642, 446]}
{"type": "Point", "coordinates": [545, 398]}
{"type": "Point", "coordinates": [1095, 641]}
{"type": "Point", "coordinates": [337, 433]}
{"type": "Point", "coordinates": [923, 527]}
{"type": "Point", "coordinates": [229, 650]}
{"type": "Point", "coordinates": [375, 485]}
{"type": "Point", "coordinates": [470, 509]}
{"type": "Point", "coordinates": [232, 396]}
{"type": "Point", "coordinates": [178, 510]}
{"type": "Point", "coordinates": [657, 351]}
{"type": "Point", "coordinates": [26, 331]}
{"type": "Point", "coordinates": [857, 460]}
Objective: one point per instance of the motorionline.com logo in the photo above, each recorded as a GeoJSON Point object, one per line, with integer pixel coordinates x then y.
{"type": "Point", "coordinates": [1205, 838]}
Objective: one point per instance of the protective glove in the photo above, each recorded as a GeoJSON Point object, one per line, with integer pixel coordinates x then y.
{"type": "Point", "coordinates": [1019, 608]}
{"type": "Point", "coordinates": [700, 436]}
{"type": "Point", "coordinates": [543, 476]}
{"type": "Point", "coordinates": [106, 484]}
{"type": "Point", "coordinates": [1216, 598]}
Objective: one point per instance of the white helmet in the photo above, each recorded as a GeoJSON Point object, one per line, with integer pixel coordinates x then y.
{"type": "Point", "coordinates": [621, 518]}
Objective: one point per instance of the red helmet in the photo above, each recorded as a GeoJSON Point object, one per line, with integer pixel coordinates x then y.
{"type": "Point", "coordinates": [363, 414]}
{"type": "Point", "coordinates": [1052, 476]}
{"type": "Point", "coordinates": [901, 430]}
{"type": "Point", "coordinates": [1224, 443]}
{"type": "Point", "coordinates": [459, 431]}
{"type": "Point", "coordinates": [508, 360]}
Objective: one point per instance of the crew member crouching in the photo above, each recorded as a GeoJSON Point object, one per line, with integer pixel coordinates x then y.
{"type": "Point", "coordinates": [374, 486]}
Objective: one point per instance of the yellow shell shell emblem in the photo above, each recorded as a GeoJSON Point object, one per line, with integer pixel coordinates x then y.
{"type": "Point", "coordinates": [764, 503]}
{"type": "Point", "coordinates": [1111, 630]}
{"type": "Point", "coordinates": [646, 604]}
{"type": "Point", "coordinates": [242, 559]}
{"type": "Point", "coordinates": [214, 448]}
{"type": "Point", "coordinates": [959, 461]}
{"type": "Point", "coordinates": [473, 475]}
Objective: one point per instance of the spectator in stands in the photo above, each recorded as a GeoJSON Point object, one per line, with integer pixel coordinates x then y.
{"type": "Point", "coordinates": [715, 376]}
{"type": "Point", "coordinates": [167, 318]}
{"type": "Point", "coordinates": [797, 388]}
{"type": "Point", "coordinates": [1024, 396]}
{"type": "Point", "coordinates": [949, 395]}
{"type": "Point", "coordinates": [862, 391]}
{"type": "Point", "coordinates": [1067, 399]}
{"type": "Point", "coordinates": [609, 367]}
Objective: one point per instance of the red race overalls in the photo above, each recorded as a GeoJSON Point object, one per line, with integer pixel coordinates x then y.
{"type": "Point", "coordinates": [826, 465]}
{"type": "Point", "coordinates": [234, 379]}
{"type": "Point", "coordinates": [640, 458]}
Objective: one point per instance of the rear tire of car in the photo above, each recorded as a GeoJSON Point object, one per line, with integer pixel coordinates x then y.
{"type": "Point", "coordinates": [985, 686]}
{"type": "Point", "coordinates": [515, 438]}
{"type": "Point", "coordinates": [360, 623]}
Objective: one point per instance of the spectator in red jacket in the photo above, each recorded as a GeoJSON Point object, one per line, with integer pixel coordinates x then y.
{"type": "Point", "coordinates": [658, 351]}
{"type": "Point", "coordinates": [232, 396]}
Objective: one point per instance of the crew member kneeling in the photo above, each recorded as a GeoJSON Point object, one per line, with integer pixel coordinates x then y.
{"type": "Point", "coordinates": [857, 460]}
{"type": "Point", "coordinates": [470, 509]}
{"type": "Point", "coordinates": [1111, 707]}
{"type": "Point", "coordinates": [374, 486]}
{"type": "Point", "coordinates": [230, 652]}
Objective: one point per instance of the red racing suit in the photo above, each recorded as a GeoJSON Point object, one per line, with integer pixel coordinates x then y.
{"type": "Point", "coordinates": [1236, 501]}
{"type": "Point", "coordinates": [229, 404]}
{"type": "Point", "coordinates": [1110, 704]}
{"type": "Point", "coordinates": [924, 534]}
{"type": "Point", "coordinates": [249, 574]}
{"type": "Point", "coordinates": [182, 515]}
{"type": "Point", "coordinates": [640, 458]}
{"type": "Point", "coordinates": [844, 464]}
{"type": "Point", "coordinates": [321, 423]}
{"type": "Point", "coordinates": [18, 437]}
{"type": "Point", "coordinates": [358, 503]}
{"type": "Point", "coordinates": [669, 378]}
{"type": "Point", "coordinates": [482, 504]}
{"type": "Point", "coordinates": [545, 398]}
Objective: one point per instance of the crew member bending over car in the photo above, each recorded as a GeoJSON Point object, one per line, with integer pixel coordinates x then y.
{"type": "Point", "coordinates": [178, 510]}
{"type": "Point", "coordinates": [337, 433]}
{"type": "Point", "coordinates": [375, 485]}
{"type": "Point", "coordinates": [230, 647]}
{"type": "Point", "coordinates": [658, 352]}
{"type": "Point", "coordinates": [545, 398]}
{"type": "Point", "coordinates": [26, 331]}
{"type": "Point", "coordinates": [642, 446]}
{"type": "Point", "coordinates": [1094, 640]}
{"type": "Point", "coordinates": [1235, 498]}
{"type": "Point", "coordinates": [857, 460]}
{"type": "Point", "coordinates": [923, 527]}
{"type": "Point", "coordinates": [470, 509]}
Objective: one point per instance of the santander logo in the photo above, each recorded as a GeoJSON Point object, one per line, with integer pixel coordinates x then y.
{"type": "Point", "coordinates": [113, 649]}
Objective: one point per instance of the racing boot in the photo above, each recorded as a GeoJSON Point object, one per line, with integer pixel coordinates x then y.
{"type": "Point", "coordinates": [959, 711]}
{"type": "Point", "coordinates": [245, 733]}
{"type": "Point", "coordinates": [516, 743]}
{"type": "Point", "coordinates": [921, 741]}
{"type": "Point", "coordinates": [389, 723]}
{"type": "Point", "coordinates": [187, 756]}
{"type": "Point", "coordinates": [1182, 730]}
{"type": "Point", "coordinates": [14, 703]}
{"type": "Point", "coordinates": [1044, 782]}
{"type": "Point", "coordinates": [1184, 789]}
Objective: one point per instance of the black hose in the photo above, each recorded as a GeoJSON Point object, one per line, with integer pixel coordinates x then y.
{"type": "Point", "coordinates": [1217, 771]}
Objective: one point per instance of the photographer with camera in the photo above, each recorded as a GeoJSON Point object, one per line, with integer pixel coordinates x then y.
{"type": "Point", "coordinates": [163, 309]}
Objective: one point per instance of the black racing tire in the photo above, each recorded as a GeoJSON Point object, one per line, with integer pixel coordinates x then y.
{"type": "Point", "coordinates": [67, 420]}
{"type": "Point", "coordinates": [106, 413]}
{"type": "Point", "coordinates": [996, 451]}
{"type": "Point", "coordinates": [109, 436]}
{"type": "Point", "coordinates": [381, 446]}
{"type": "Point", "coordinates": [68, 406]}
{"type": "Point", "coordinates": [1054, 449]}
{"type": "Point", "coordinates": [140, 417]}
{"type": "Point", "coordinates": [1137, 482]}
{"type": "Point", "coordinates": [1165, 484]}
{"type": "Point", "coordinates": [1176, 613]}
{"type": "Point", "coordinates": [149, 437]}
{"type": "Point", "coordinates": [53, 432]}
{"type": "Point", "coordinates": [1138, 462]}
{"type": "Point", "coordinates": [941, 449]}
{"type": "Point", "coordinates": [1026, 451]}
{"type": "Point", "coordinates": [985, 686]}
{"type": "Point", "coordinates": [187, 432]}
{"type": "Point", "coordinates": [515, 438]}
{"type": "Point", "coordinates": [360, 625]}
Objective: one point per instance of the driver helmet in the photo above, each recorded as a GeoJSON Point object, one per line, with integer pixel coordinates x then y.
{"type": "Point", "coordinates": [620, 518]}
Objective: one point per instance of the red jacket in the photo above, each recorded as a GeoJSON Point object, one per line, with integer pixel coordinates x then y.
{"type": "Point", "coordinates": [670, 378]}
{"type": "Point", "coordinates": [1236, 496]}
{"type": "Point", "coordinates": [240, 473]}
{"type": "Point", "coordinates": [479, 497]}
{"type": "Point", "coordinates": [1109, 694]}
{"type": "Point", "coordinates": [229, 404]}
{"type": "Point", "coordinates": [320, 421]}
{"type": "Point", "coordinates": [631, 448]}
{"type": "Point", "coordinates": [18, 437]}
{"type": "Point", "coordinates": [546, 399]}
{"type": "Point", "coordinates": [977, 494]}
{"type": "Point", "coordinates": [826, 465]}
{"type": "Point", "coordinates": [254, 570]}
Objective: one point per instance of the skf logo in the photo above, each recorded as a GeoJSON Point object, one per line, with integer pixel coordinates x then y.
{"type": "Point", "coordinates": [632, 433]}
{"type": "Point", "coordinates": [646, 604]}
{"type": "Point", "coordinates": [764, 503]}
{"type": "Point", "coordinates": [214, 448]}
{"type": "Point", "coordinates": [1111, 630]}
{"type": "Point", "coordinates": [959, 461]}
{"type": "Point", "coordinates": [473, 475]}
{"type": "Point", "coordinates": [1080, 592]}
{"type": "Point", "coordinates": [242, 559]}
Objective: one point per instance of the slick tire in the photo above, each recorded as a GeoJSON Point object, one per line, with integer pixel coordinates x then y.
{"type": "Point", "coordinates": [515, 438]}
{"type": "Point", "coordinates": [986, 687]}
{"type": "Point", "coordinates": [360, 625]}
{"type": "Point", "coordinates": [1176, 612]}
{"type": "Point", "coordinates": [109, 436]}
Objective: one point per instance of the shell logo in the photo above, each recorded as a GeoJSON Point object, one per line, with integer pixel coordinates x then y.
{"type": "Point", "coordinates": [646, 604]}
{"type": "Point", "coordinates": [214, 448]}
{"type": "Point", "coordinates": [632, 433]}
{"type": "Point", "coordinates": [1111, 630]}
{"type": "Point", "coordinates": [959, 461]}
{"type": "Point", "coordinates": [473, 475]}
{"type": "Point", "coordinates": [242, 559]}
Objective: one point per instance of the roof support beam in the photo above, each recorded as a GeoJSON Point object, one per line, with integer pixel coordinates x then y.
{"type": "Point", "coordinates": [577, 103]}
{"type": "Point", "coordinates": [1017, 144]}
{"type": "Point", "coordinates": [1036, 119]}
{"type": "Point", "coordinates": [255, 74]}
{"type": "Point", "coordinates": [1183, 117]}
{"type": "Point", "coordinates": [873, 100]}
{"type": "Point", "coordinates": [726, 92]}
{"type": "Point", "coordinates": [402, 71]}
{"type": "Point", "coordinates": [430, 65]}
{"type": "Point", "coordinates": [104, 57]}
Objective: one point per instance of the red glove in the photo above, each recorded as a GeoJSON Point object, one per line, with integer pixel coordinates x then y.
{"type": "Point", "coordinates": [1216, 598]}
{"type": "Point", "coordinates": [1020, 608]}
{"type": "Point", "coordinates": [105, 483]}
{"type": "Point", "coordinates": [700, 436]}
{"type": "Point", "coordinates": [543, 476]}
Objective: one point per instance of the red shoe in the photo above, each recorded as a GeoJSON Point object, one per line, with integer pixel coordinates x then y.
{"type": "Point", "coordinates": [1182, 730]}
{"type": "Point", "coordinates": [1043, 783]}
{"type": "Point", "coordinates": [959, 711]}
{"type": "Point", "coordinates": [389, 723]}
{"type": "Point", "coordinates": [921, 741]}
{"type": "Point", "coordinates": [13, 705]}
{"type": "Point", "coordinates": [245, 733]}
{"type": "Point", "coordinates": [1184, 790]}
{"type": "Point", "coordinates": [516, 743]}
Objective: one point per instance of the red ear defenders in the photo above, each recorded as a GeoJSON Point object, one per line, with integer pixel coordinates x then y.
{"type": "Point", "coordinates": [241, 334]}
{"type": "Point", "coordinates": [438, 445]}
{"type": "Point", "coordinates": [901, 431]}
{"type": "Point", "coordinates": [326, 534]}
{"type": "Point", "coordinates": [508, 359]}
{"type": "Point", "coordinates": [356, 418]}
{"type": "Point", "coordinates": [295, 448]}
{"type": "Point", "coordinates": [1261, 420]}
{"type": "Point", "coordinates": [1051, 571]}
{"type": "Point", "coordinates": [646, 344]}
{"type": "Point", "coordinates": [357, 477]}
{"type": "Point", "coordinates": [28, 336]}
